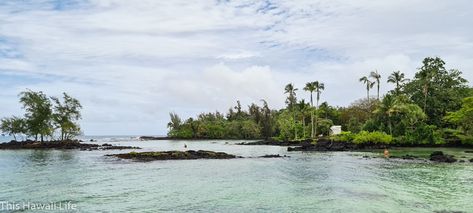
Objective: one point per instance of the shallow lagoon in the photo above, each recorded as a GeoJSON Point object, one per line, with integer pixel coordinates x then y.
{"type": "Point", "coordinates": [305, 182]}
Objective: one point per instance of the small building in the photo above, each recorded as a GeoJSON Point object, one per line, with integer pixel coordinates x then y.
{"type": "Point", "coordinates": [335, 130]}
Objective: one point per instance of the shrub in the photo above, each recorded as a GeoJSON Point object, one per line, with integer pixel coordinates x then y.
{"type": "Point", "coordinates": [466, 140]}
{"type": "Point", "coordinates": [372, 137]}
{"type": "Point", "coordinates": [343, 137]}
{"type": "Point", "coordinates": [324, 126]}
{"type": "Point", "coordinates": [370, 125]}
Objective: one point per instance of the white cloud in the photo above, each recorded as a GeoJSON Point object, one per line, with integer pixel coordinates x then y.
{"type": "Point", "coordinates": [131, 63]}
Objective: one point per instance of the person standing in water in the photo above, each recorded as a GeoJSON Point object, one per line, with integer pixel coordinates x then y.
{"type": "Point", "coordinates": [386, 153]}
{"type": "Point", "coordinates": [185, 146]}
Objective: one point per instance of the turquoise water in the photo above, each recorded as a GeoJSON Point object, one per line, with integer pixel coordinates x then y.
{"type": "Point", "coordinates": [305, 182]}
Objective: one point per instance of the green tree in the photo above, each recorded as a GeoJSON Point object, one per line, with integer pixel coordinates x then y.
{"type": "Point", "coordinates": [303, 108]}
{"type": "Point", "coordinates": [310, 87]}
{"type": "Point", "coordinates": [266, 121]}
{"type": "Point", "coordinates": [355, 115]}
{"type": "Point", "coordinates": [175, 122]}
{"type": "Point", "coordinates": [369, 85]}
{"type": "Point", "coordinates": [398, 79]}
{"type": "Point", "coordinates": [291, 101]}
{"type": "Point", "coordinates": [319, 87]}
{"type": "Point", "coordinates": [38, 114]}
{"type": "Point", "coordinates": [396, 115]}
{"type": "Point", "coordinates": [377, 77]}
{"type": "Point", "coordinates": [463, 118]}
{"type": "Point", "coordinates": [13, 126]}
{"type": "Point", "coordinates": [437, 90]}
{"type": "Point", "coordinates": [65, 116]}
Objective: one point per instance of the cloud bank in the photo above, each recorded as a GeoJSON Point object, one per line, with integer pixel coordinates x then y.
{"type": "Point", "coordinates": [131, 63]}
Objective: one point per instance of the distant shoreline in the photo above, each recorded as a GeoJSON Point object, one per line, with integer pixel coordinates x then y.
{"type": "Point", "coordinates": [156, 138]}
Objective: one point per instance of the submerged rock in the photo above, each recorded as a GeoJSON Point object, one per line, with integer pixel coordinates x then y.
{"type": "Point", "coordinates": [152, 138]}
{"type": "Point", "coordinates": [174, 155]}
{"type": "Point", "coordinates": [405, 157]}
{"type": "Point", "coordinates": [438, 156]}
{"type": "Point", "coordinates": [274, 156]}
{"type": "Point", "coordinates": [118, 147]}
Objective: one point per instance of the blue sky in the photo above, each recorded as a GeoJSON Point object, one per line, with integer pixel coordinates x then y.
{"type": "Point", "coordinates": [132, 62]}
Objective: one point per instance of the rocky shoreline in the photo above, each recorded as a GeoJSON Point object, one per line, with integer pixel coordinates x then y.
{"type": "Point", "coordinates": [277, 143]}
{"type": "Point", "coordinates": [64, 145]}
{"type": "Point", "coordinates": [328, 145]}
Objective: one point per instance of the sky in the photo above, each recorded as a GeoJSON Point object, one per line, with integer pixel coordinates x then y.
{"type": "Point", "coordinates": [130, 63]}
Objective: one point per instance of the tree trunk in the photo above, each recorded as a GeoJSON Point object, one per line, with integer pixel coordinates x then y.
{"type": "Point", "coordinates": [378, 91]}
{"type": "Point", "coordinates": [316, 116]}
{"type": "Point", "coordinates": [312, 124]}
{"type": "Point", "coordinates": [303, 126]}
{"type": "Point", "coordinates": [294, 117]}
{"type": "Point", "coordinates": [311, 117]}
{"type": "Point", "coordinates": [42, 138]}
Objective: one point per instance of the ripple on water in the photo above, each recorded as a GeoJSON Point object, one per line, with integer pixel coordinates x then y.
{"type": "Point", "coordinates": [305, 182]}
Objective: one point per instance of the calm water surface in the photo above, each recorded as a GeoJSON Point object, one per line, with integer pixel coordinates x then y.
{"type": "Point", "coordinates": [305, 182]}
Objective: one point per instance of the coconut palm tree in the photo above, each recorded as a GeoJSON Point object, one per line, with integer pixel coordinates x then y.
{"type": "Point", "coordinates": [397, 78]}
{"type": "Point", "coordinates": [376, 76]}
{"type": "Point", "coordinates": [318, 90]}
{"type": "Point", "coordinates": [291, 102]}
{"type": "Point", "coordinates": [310, 87]}
{"type": "Point", "coordinates": [369, 85]}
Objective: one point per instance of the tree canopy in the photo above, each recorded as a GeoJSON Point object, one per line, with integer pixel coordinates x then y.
{"type": "Point", "coordinates": [44, 116]}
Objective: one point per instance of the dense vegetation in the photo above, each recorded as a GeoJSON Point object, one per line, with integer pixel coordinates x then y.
{"type": "Point", "coordinates": [45, 117]}
{"type": "Point", "coordinates": [434, 107]}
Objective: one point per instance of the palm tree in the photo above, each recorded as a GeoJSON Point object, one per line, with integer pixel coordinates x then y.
{"type": "Point", "coordinates": [377, 78]}
{"type": "Point", "coordinates": [318, 90]}
{"type": "Point", "coordinates": [310, 86]}
{"type": "Point", "coordinates": [291, 101]}
{"type": "Point", "coordinates": [425, 77]}
{"type": "Point", "coordinates": [397, 78]}
{"type": "Point", "coordinates": [302, 105]}
{"type": "Point", "coordinates": [369, 85]}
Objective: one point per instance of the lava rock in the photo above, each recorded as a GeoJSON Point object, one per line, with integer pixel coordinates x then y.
{"type": "Point", "coordinates": [274, 156]}
{"type": "Point", "coordinates": [174, 155]}
{"type": "Point", "coordinates": [438, 156]}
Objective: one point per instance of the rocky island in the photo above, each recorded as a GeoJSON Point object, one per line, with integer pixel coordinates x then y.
{"type": "Point", "coordinates": [174, 155]}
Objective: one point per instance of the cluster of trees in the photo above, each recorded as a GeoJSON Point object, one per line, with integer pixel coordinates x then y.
{"type": "Point", "coordinates": [45, 117]}
{"type": "Point", "coordinates": [299, 120]}
{"type": "Point", "coordinates": [423, 110]}
{"type": "Point", "coordinates": [256, 122]}
{"type": "Point", "coordinates": [435, 106]}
